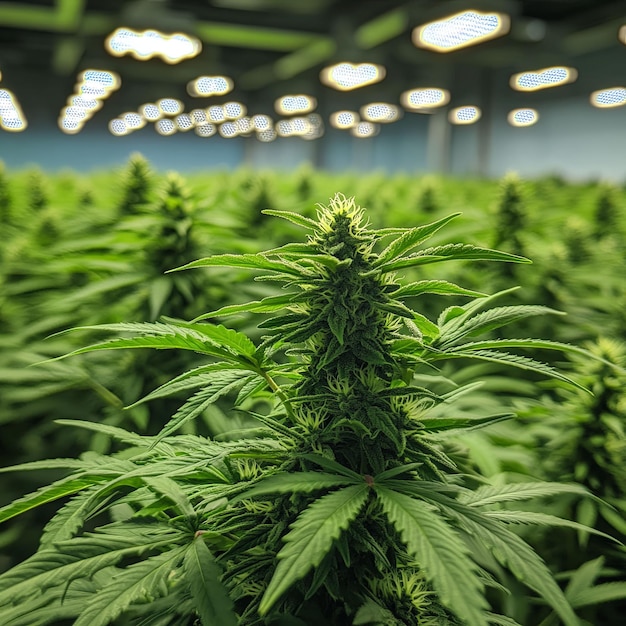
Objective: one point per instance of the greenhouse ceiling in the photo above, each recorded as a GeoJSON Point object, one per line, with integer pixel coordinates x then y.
{"type": "Point", "coordinates": [266, 49]}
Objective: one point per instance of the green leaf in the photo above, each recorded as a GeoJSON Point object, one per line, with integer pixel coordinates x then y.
{"type": "Point", "coordinates": [331, 465]}
{"type": "Point", "coordinates": [605, 592]}
{"type": "Point", "coordinates": [440, 424]}
{"type": "Point", "coordinates": [492, 494]}
{"type": "Point", "coordinates": [200, 401]}
{"type": "Point", "coordinates": [411, 238]}
{"type": "Point", "coordinates": [210, 597]}
{"type": "Point", "coordinates": [59, 489]}
{"type": "Point", "coordinates": [543, 519]}
{"type": "Point", "coordinates": [81, 557]}
{"type": "Point", "coordinates": [294, 218]}
{"type": "Point", "coordinates": [440, 553]}
{"type": "Point", "coordinates": [372, 613]}
{"type": "Point", "coordinates": [583, 578]}
{"type": "Point", "coordinates": [171, 490]}
{"type": "Point", "coordinates": [450, 252]}
{"type": "Point", "coordinates": [160, 289]}
{"type": "Point", "coordinates": [112, 431]}
{"type": "Point", "coordinates": [237, 343]}
{"type": "Point", "coordinates": [439, 287]}
{"type": "Point", "coordinates": [248, 261]}
{"type": "Point", "coordinates": [514, 360]}
{"type": "Point", "coordinates": [266, 305]}
{"type": "Point", "coordinates": [490, 320]}
{"type": "Point", "coordinates": [311, 537]}
{"type": "Point", "coordinates": [141, 581]}
{"type": "Point", "coordinates": [294, 483]}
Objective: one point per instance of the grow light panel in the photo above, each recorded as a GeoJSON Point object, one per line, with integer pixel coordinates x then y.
{"type": "Point", "coordinates": [460, 30]}
{"type": "Point", "coordinates": [11, 116]}
{"type": "Point", "coordinates": [150, 112]}
{"type": "Point", "coordinates": [92, 88]}
{"type": "Point", "coordinates": [365, 129]}
{"type": "Point", "coordinates": [380, 112]}
{"type": "Point", "coordinates": [261, 122]}
{"type": "Point", "coordinates": [183, 122]}
{"type": "Point", "coordinates": [344, 120]}
{"type": "Point", "coordinates": [295, 104]}
{"type": "Point", "coordinates": [165, 127]}
{"type": "Point", "coordinates": [424, 99]}
{"type": "Point", "coordinates": [233, 110]}
{"type": "Point", "coordinates": [543, 79]}
{"type": "Point", "coordinates": [609, 98]}
{"type": "Point", "coordinates": [266, 135]}
{"type": "Point", "coordinates": [228, 130]}
{"type": "Point", "coordinates": [216, 114]}
{"type": "Point", "coordinates": [199, 117]}
{"type": "Point", "coordinates": [118, 127]}
{"type": "Point", "coordinates": [205, 130]}
{"type": "Point", "coordinates": [316, 127]}
{"type": "Point", "coordinates": [133, 121]}
{"type": "Point", "coordinates": [170, 106]}
{"type": "Point", "coordinates": [206, 86]}
{"type": "Point", "coordinates": [523, 117]}
{"type": "Point", "coordinates": [347, 76]}
{"type": "Point", "coordinates": [243, 125]}
{"type": "Point", "coordinates": [147, 44]}
{"type": "Point", "coordinates": [464, 115]}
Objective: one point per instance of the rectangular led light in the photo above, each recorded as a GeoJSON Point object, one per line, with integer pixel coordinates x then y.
{"type": "Point", "coordinates": [467, 28]}
{"type": "Point", "coordinates": [543, 79]}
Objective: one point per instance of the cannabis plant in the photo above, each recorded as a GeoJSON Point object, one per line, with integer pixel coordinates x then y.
{"type": "Point", "coordinates": [334, 502]}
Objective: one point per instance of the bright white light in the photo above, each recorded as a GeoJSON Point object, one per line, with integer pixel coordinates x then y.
{"type": "Point", "coordinates": [347, 76]}
{"type": "Point", "coordinates": [460, 30]}
{"type": "Point", "coordinates": [92, 88]}
{"type": "Point", "coordinates": [228, 130]}
{"type": "Point", "coordinates": [150, 112]}
{"type": "Point", "coordinates": [103, 79]}
{"type": "Point", "coordinates": [243, 126]}
{"type": "Point", "coordinates": [118, 127]}
{"type": "Point", "coordinates": [464, 115]}
{"type": "Point", "coordinates": [216, 114]}
{"type": "Point", "coordinates": [523, 117]}
{"type": "Point", "coordinates": [622, 34]}
{"type": "Point", "coordinates": [380, 112]}
{"type": "Point", "coordinates": [151, 43]}
{"type": "Point", "coordinates": [292, 105]}
{"type": "Point", "coordinates": [543, 79]}
{"type": "Point", "coordinates": [88, 104]}
{"type": "Point", "coordinates": [183, 122]}
{"type": "Point", "coordinates": [344, 119]}
{"type": "Point", "coordinates": [205, 130]}
{"type": "Point", "coordinates": [283, 128]}
{"type": "Point", "coordinates": [133, 121]}
{"type": "Point", "coordinates": [316, 127]}
{"type": "Point", "coordinates": [424, 99]}
{"type": "Point", "coordinates": [233, 110]}
{"type": "Point", "coordinates": [261, 122]}
{"type": "Point", "coordinates": [11, 116]}
{"type": "Point", "coordinates": [608, 98]}
{"type": "Point", "coordinates": [165, 127]}
{"type": "Point", "coordinates": [365, 129]}
{"type": "Point", "coordinates": [266, 135]}
{"type": "Point", "coordinates": [205, 86]}
{"type": "Point", "coordinates": [170, 106]}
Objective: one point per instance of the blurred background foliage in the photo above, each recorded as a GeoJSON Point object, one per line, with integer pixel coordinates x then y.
{"type": "Point", "coordinates": [79, 250]}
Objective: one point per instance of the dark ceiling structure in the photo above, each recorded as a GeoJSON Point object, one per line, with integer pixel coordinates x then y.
{"type": "Point", "coordinates": [272, 47]}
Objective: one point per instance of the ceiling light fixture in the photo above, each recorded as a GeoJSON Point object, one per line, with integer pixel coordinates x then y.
{"type": "Point", "coordinates": [523, 117]}
{"type": "Point", "coordinates": [206, 86]}
{"type": "Point", "coordinates": [92, 88]}
{"type": "Point", "coordinates": [294, 104]}
{"type": "Point", "coordinates": [365, 129]}
{"type": "Point", "coordinates": [608, 98]}
{"type": "Point", "coordinates": [461, 30]}
{"type": "Point", "coordinates": [424, 99]}
{"type": "Point", "coordinates": [348, 76]}
{"type": "Point", "coordinates": [344, 120]}
{"type": "Point", "coordinates": [147, 44]}
{"type": "Point", "coordinates": [11, 116]}
{"type": "Point", "coordinates": [380, 112]}
{"type": "Point", "coordinates": [464, 115]}
{"type": "Point", "coordinates": [543, 79]}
